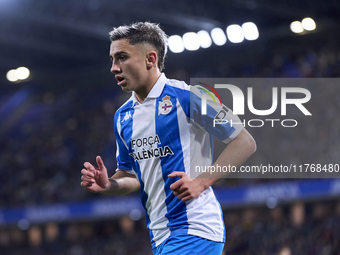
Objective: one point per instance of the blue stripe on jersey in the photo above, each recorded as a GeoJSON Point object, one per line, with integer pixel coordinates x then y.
{"type": "Point", "coordinates": [221, 132]}
{"type": "Point", "coordinates": [144, 198]}
{"type": "Point", "coordinates": [192, 109]}
{"type": "Point", "coordinates": [168, 130]}
{"type": "Point", "coordinates": [124, 160]}
{"type": "Point", "coordinates": [184, 99]}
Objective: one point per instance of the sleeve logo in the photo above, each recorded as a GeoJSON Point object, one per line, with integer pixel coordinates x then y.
{"type": "Point", "coordinates": [127, 116]}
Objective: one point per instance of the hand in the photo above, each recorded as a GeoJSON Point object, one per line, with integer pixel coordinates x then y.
{"type": "Point", "coordinates": [186, 188]}
{"type": "Point", "coordinates": [95, 179]}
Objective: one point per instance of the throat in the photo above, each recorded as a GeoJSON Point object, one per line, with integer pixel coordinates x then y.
{"type": "Point", "coordinates": [140, 97]}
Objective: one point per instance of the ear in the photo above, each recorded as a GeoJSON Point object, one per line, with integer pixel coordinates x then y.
{"type": "Point", "coordinates": [151, 59]}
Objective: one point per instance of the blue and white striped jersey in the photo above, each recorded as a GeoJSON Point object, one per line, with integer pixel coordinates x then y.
{"type": "Point", "coordinates": [167, 133]}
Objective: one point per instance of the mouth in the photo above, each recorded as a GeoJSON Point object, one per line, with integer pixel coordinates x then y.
{"type": "Point", "coordinates": [120, 80]}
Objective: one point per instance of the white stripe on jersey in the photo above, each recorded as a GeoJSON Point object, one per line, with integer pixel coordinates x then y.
{"type": "Point", "coordinates": [184, 136]}
{"type": "Point", "coordinates": [211, 227]}
{"type": "Point", "coordinates": [151, 174]}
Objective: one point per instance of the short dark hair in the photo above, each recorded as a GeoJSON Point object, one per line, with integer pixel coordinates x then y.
{"type": "Point", "coordinates": [144, 32]}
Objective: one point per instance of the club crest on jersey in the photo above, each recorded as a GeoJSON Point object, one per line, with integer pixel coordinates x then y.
{"type": "Point", "coordinates": [164, 106]}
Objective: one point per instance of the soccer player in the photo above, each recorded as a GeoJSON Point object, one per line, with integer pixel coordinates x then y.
{"type": "Point", "coordinates": [160, 133]}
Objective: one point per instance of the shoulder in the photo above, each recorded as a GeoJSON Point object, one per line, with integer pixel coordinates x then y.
{"type": "Point", "coordinates": [176, 84]}
{"type": "Point", "coordinates": [187, 94]}
{"type": "Point", "coordinates": [179, 88]}
{"type": "Point", "coordinates": [125, 107]}
{"type": "Point", "coordinates": [181, 91]}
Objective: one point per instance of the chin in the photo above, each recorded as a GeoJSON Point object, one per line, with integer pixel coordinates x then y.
{"type": "Point", "coordinates": [126, 89]}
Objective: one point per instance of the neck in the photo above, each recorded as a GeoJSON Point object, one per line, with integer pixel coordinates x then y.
{"type": "Point", "coordinates": [143, 93]}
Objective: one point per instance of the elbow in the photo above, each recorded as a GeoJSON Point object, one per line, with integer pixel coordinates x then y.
{"type": "Point", "coordinates": [249, 144]}
{"type": "Point", "coordinates": [252, 147]}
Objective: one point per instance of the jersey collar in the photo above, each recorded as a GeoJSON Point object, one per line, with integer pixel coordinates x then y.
{"type": "Point", "coordinates": [155, 92]}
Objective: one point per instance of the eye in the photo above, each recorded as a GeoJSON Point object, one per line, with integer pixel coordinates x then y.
{"type": "Point", "coordinates": [122, 58]}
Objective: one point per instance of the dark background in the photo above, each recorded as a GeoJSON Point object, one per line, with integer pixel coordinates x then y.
{"type": "Point", "coordinates": [63, 116]}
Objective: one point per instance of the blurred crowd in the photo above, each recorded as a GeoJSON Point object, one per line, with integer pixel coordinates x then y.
{"type": "Point", "coordinates": [42, 151]}
{"type": "Point", "coordinates": [288, 229]}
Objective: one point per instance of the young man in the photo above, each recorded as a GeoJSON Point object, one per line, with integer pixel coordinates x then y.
{"type": "Point", "coordinates": [160, 133]}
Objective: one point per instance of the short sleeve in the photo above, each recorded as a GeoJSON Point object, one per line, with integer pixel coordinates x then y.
{"type": "Point", "coordinates": [122, 153]}
{"type": "Point", "coordinates": [215, 118]}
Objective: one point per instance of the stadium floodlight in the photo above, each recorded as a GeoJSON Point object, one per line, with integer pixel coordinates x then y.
{"type": "Point", "coordinates": [24, 224]}
{"type": "Point", "coordinates": [22, 73]}
{"type": "Point", "coordinates": [176, 43]}
{"type": "Point", "coordinates": [235, 33]}
{"type": "Point", "coordinates": [271, 202]}
{"type": "Point", "coordinates": [11, 75]}
{"type": "Point", "coordinates": [296, 27]}
{"type": "Point", "coordinates": [308, 24]}
{"type": "Point", "coordinates": [250, 31]}
{"type": "Point", "coordinates": [218, 36]}
{"type": "Point", "coordinates": [204, 39]}
{"type": "Point", "coordinates": [135, 214]}
{"type": "Point", "coordinates": [191, 41]}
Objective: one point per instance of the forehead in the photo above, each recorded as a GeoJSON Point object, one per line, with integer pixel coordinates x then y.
{"type": "Point", "coordinates": [123, 45]}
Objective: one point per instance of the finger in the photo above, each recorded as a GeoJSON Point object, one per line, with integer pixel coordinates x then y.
{"type": "Point", "coordinates": [87, 173]}
{"type": "Point", "coordinates": [181, 191]}
{"type": "Point", "coordinates": [187, 198]}
{"type": "Point", "coordinates": [183, 195]}
{"type": "Point", "coordinates": [176, 184]}
{"type": "Point", "coordinates": [182, 188]}
{"type": "Point", "coordinates": [85, 184]}
{"type": "Point", "coordinates": [87, 179]}
{"type": "Point", "coordinates": [100, 163]}
{"type": "Point", "coordinates": [177, 193]}
{"type": "Point", "coordinates": [177, 174]}
{"type": "Point", "coordinates": [89, 166]}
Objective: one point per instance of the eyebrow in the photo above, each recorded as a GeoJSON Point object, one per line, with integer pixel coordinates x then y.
{"type": "Point", "coordinates": [117, 54]}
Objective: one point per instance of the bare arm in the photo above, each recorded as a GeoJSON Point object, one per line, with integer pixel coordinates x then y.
{"type": "Point", "coordinates": [235, 154]}
{"type": "Point", "coordinates": [96, 180]}
{"type": "Point", "coordinates": [122, 183]}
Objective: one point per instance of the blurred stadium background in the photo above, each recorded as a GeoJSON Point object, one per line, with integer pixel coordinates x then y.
{"type": "Point", "coordinates": [62, 116]}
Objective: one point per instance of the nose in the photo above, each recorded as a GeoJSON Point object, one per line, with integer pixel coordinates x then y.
{"type": "Point", "coordinates": [115, 68]}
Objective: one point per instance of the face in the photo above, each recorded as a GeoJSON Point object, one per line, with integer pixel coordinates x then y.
{"type": "Point", "coordinates": [129, 64]}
